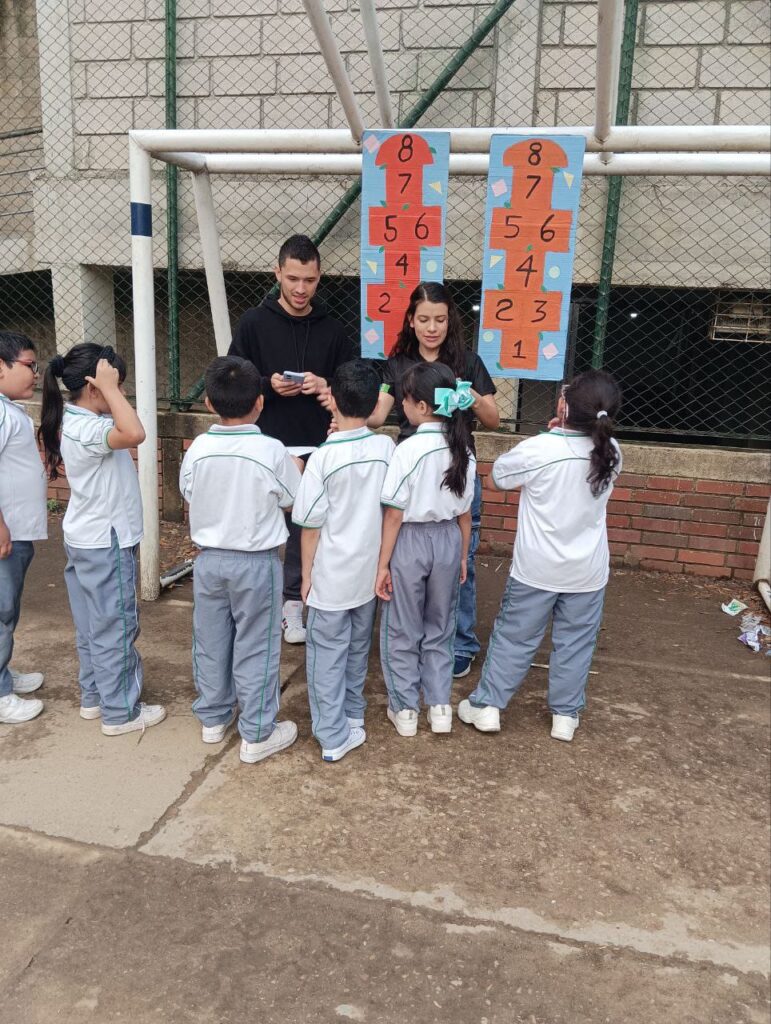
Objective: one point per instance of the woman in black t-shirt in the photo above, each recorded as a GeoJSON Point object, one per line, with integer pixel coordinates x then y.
{"type": "Point", "coordinates": [432, 331]}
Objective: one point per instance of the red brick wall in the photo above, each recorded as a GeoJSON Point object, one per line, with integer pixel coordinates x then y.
{"type": "Point", "coordinates": [672, 524]}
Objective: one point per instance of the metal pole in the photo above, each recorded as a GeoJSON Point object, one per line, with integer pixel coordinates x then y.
{"type": "Point", "coordinates": [144, 361]}
{"type": "Point", "coordinates": [615, 188]}
{"type": "Point", "coordinates": [317, 16]}
{"type": "Point", "coordinates": [187, 143]}
{"type": "Point", "coordinates": [377, 61]}
{"type": "Point", "coordinates": [172, 207]}
{"type": "Point", "coordinates": [212, 261]}
{"type": "Point", "coordinates": [609, 29]}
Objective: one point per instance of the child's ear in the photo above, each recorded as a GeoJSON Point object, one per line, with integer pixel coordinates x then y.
{"type": "Point", "coordinates": [208, 405]}
{"type": "Point", "coordinates": [257, 410]}
{"type": "Point", "coordinates": [332, 404]}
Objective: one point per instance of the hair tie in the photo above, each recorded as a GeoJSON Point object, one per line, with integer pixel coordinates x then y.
{"type": "Point", "coordinates": [56, 365]}
{"type": "Point", "coordinates": [601, 413]}
{"type": "Point", "coordinates": [449, 400]}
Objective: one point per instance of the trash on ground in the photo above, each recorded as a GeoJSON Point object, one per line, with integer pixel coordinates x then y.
{"type": "Point", "coordinates": [733, 607]}
{"type": "Point", "coordinates": [757, 638]}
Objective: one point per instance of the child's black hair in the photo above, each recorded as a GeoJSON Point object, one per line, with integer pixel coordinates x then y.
{"type": "Point", "coordinates": [73, 368]}
{"type": "Point", "coordinates": [587, 395]}
{"type": "Point", "coordinates": [233, 385]}
{"type": "Point", "coordinates": [13, 344]}
{"type": "Point", "coordinates": [419, 383]}
{"type": "Point", "coordinates": [299, 247]}
{"type": "Point", "coordinates": [355, 388]}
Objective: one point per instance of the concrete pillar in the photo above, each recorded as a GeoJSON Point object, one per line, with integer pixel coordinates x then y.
{"type": "Point", "coordinates": [53, 31]}
{"type": "Point", "coordinates": [84, 307]}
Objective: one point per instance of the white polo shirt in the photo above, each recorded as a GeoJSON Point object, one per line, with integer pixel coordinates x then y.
{"type": "Point", "coordinates": [562, 542]}
{"type": "Point", "coordinates": [414, 479]}
{"type": "Point", "coordinates": [340, 495]}
{"type": "Point", "coordinates": [104, 489]}
{"type": "Point", "coordinates": [22, 478]}
{"type": "Point", "coordinates": [237, 480]}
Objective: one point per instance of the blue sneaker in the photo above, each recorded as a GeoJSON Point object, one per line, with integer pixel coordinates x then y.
{"type": "Point", "coordinates": [462, 665]}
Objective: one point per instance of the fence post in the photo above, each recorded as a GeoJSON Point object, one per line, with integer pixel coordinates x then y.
{"type": "Point", "coordinates": [615, 186]}
{"type": "Point", "coordinates": [172, 206]}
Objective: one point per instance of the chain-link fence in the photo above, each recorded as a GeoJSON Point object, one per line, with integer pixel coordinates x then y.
{"type": "Point", "coordinates": [682, 314]}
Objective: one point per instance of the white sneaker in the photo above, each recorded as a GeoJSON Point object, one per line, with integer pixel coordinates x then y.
{"type": "Point", "coordinates": [216, 733]}
{"type": "Point", "coordinates": [90, 713]}
{"type": "Point", "coordinates": [355, 723]}
{"type": "Point", "coordinates": [282, 736]}
{"type": "Point", "coordinates": [292, 622]}
{"type": "Point", "coordinates": [405, 721]}
{"type": "Point", "coordinates": [14, 710]}
{"type": "Point", "coordinates": [486, 719]}
{"type": "Point", "coordinates": [563, 727]}
{"type": "Point", "coordinates": [440, 717]}
{"type": "Point", "coordinates": [149, 714]}
{"type": "Point", "coordinates": [26, 682]}
{"type": "Point", "coordinates": [355, 739]}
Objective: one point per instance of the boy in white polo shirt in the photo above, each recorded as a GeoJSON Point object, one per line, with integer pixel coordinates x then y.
{"type": "Point", "coordinates": [22, 515]}
{"type": "Point", "coordinates": [338, 506]}
{"type": "Point", "coordinates": [238, 481]}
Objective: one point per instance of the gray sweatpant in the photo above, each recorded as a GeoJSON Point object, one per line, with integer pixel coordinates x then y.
{"type": "Point", "coordinates": [336, 654]}
{"type": "Point", "coordinates": [13, 569]}
{"type": "Point", "coordinates": [517, 633]}
{"type": "Point", "coordinates": [237, 638]}
{"type": "Point", "coordinates": [417, 626]}
{"type": "Point", "coordinates": [101, 584]}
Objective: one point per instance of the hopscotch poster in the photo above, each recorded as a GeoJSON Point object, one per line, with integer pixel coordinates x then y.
{"type": "Point", "coordinates": [533, 193]}
{"type": "Point", "coordinates": [403, 213]}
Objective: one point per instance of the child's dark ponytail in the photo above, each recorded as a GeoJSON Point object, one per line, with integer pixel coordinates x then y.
{"type": "Point", "coordinates": [592, 401]}
{"type": "Point", "coordinates": [421, 382]}
{"type": "Point", "coordinates": [79, 363]}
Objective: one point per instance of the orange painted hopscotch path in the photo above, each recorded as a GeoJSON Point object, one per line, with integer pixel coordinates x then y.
{"type": "Point", "coordinates": [533, 192]}
{"type": "Point", "coordinates": [404, 196]}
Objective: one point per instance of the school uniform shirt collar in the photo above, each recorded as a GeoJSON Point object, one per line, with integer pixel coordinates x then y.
{"type": "Point", "coordinates": [234, 428]}
{"type": "Point", "coordinates": [348, 435]}
{"type": "Point", "coordinates": [76, 410]}
{"type": "Point", "coordinates": [429, 428]}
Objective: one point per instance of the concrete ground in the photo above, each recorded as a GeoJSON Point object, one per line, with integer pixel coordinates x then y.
{"type": "Point", "coordinates": [467, 879]}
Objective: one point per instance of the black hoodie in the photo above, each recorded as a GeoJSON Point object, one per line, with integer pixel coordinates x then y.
{"type": "Point", "coordinates": [275, 341]}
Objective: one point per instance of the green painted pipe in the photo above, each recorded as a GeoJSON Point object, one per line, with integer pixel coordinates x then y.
{"type": "Point", "coordinates": [615, 187]}
{"type": "Point", "coordinates": [172, 206]}
{"type": "Point", "coordinates": [442, 80]}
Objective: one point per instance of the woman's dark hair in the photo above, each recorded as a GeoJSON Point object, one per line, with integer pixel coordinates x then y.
{"type": "Point", "coordinates": [587, 395]}
{"type": "Point", "coordinates": [13, 344]}
{"type": "Point", "coordinates": [453, 351]}
{"type": "Point", "coordinates": [419, 383]}
{"type": "Point", "coordinates": [79, 363]}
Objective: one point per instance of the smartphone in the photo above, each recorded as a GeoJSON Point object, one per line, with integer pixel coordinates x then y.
{"type": "Point", "coordinates": [293, 377]}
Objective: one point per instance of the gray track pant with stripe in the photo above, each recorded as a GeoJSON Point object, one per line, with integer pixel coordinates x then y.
{"type": "Point", "coordinates": [101, 584]}
{"type": "Point", "coordinates": [237, 638]}
{"type": "Point", "coordinates": [417, 626]}
{"type": "Point", "coordinates": [337, 650]}
{"type": "Point", "coordinates": [517, 633]}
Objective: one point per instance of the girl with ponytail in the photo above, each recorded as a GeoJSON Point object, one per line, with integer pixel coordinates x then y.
{"type": "Point", "coordinates": [427, 495]}
{"type": "Point", "coordinates": [561, 558]}
{"type": "Point", "coordinates": [90, 435]}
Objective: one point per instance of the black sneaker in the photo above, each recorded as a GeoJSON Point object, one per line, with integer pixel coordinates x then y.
{"type": "Point", "coordinates": [462, 665]}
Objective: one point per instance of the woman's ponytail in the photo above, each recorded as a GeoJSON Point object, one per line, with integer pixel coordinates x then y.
{"type": "Point", "coordinates": [51, 417]}
{"type": "Point", "coordinates": [592, 402]}
{"type": "Point", "coordinates": [73, 369]}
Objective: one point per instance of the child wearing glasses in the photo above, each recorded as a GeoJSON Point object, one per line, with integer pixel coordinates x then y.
{"type": "Point", "coordinates": [22, 516]}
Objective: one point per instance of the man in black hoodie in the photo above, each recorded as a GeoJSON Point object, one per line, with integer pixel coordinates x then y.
{"type": "Point", "coordinates": [294, 332]}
